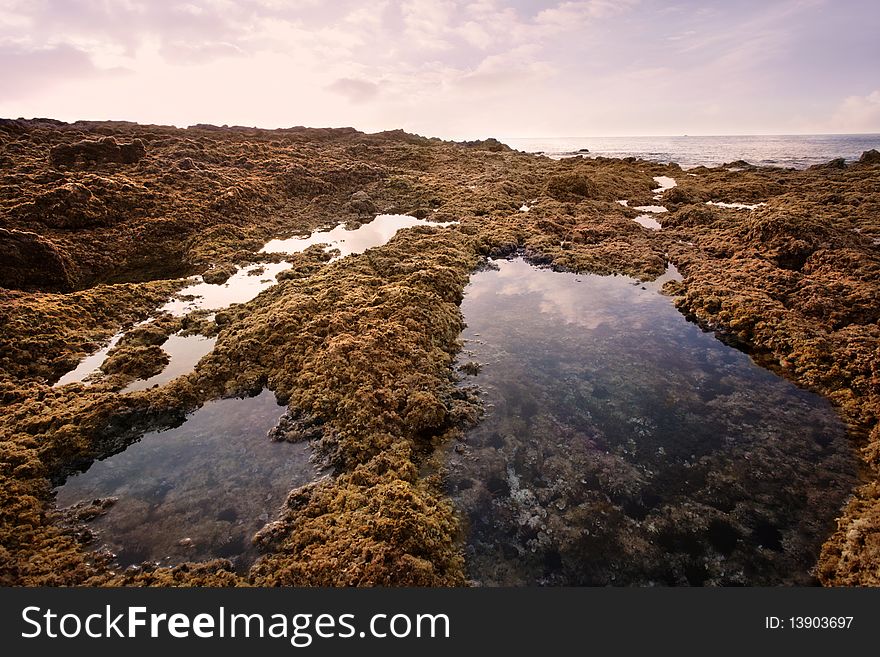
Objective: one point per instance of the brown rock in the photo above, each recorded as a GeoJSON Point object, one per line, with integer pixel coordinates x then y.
{"type": "Point", "coordinates": [836, 163]}
{"type": "Point", "coordinates": [870, 157]}
{"type": "Point", "coordinates": [219, 274]}
{"type": "Point", "coordinates": [571, 186]}
{"type": "Point", "coordinates": [361, 204]}
{"type": "Point", "coordinates": [71, 205]}
{"type": "Point", "coordinates": [29, 261]}
{"type": "Point", "coordinates": [93, 152]}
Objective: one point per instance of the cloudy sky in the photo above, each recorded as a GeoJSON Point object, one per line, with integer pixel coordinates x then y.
{"type": "Point", "coordinates": [451, 68]}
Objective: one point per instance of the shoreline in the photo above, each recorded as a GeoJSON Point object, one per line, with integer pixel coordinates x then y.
{"type": "Point", "coordinates": [791, 282]}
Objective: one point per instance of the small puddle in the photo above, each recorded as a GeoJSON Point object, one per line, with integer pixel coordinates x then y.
{"type": "Point", "coordinates": [183, 352]}
{"type": "Point", "coordinates": [241, 287]}
{"type": "Point", "coordinates": [647, 221]}
{"type": "Point", "coordinates": [735, 206]}
{"type": "Point", "coordinates": [196, 492]}
{"type": "Point", "coordinates": [622, 445]}
{"type": "Point", "coordinates": [663, 183]}
{"type": "Point", "coordinates": [90, 364]}
{"type": "Point", "coordinates": [656, 209]}
{"type": "Point", "coordinates": [375, 233]}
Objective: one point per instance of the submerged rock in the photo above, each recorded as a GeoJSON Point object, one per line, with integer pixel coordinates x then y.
{"type": "Point", "coordinates": [471, 368]}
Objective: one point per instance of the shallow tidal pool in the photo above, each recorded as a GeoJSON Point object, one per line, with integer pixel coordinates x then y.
{"type": "Point", "coordinates": [622, 445]}
{"type": "Point", "coordinates": [195, 492]}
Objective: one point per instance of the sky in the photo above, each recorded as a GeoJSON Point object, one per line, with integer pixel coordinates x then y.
{"type": "Point", "coordinates": [458, 69]}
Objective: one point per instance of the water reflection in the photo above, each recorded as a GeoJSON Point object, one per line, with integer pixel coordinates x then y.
{"type": "Point", "coordinates": [648, 221]}
{"type": "Point", "coordinates": [184, 352]}
{"type": "Point", "coordinates": [198, 491]}
{"type": "Point", "coordinates": [90, 364]}
{"type": "Point", "coordinates": [241, 287]}
{"type": "Point", "coordinates": [622, 445]}
{"type": "Point", "coordinates": [366, 236]}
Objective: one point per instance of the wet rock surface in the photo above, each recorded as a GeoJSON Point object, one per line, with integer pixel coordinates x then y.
{"type": "Point", "coordinates": [219, 274]}
{"type": "Point", "coordinates": [367, 343]}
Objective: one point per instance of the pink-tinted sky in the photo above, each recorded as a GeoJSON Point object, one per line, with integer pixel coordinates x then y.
{"type": "Point", "coordinates": [451, 68]}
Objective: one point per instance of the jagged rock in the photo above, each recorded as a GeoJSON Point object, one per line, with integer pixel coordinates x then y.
{"type": "Point", "coordinates": [29, 261]}
{"type": "Point", "coordinates": [836, 163]}
{"type": "Point", "coordinates": [219, 274]}
{"type": "Point", "coordinates": [71, 205]}
{"type": "Point", "coordinates": [296, 426]}
{"type": "Point", "coordinates": [471, 368]}
{"type": "Point", "coordinates": [361, 204]}
{"type": "Point", "coordinates": [490, 144]}
{"type": "Point", "coordinates": [571, 186]}
{"type": "Point", "coordinates": [870, 157]}
{"type": "Point", "coordinates": [92, 152]}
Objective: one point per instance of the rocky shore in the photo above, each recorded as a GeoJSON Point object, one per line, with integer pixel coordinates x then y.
{"type": "Point", "coordinates": [100, 223]}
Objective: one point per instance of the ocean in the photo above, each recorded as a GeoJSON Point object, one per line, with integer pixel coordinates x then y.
{"type": "Point", "coordinates": [794, 151]}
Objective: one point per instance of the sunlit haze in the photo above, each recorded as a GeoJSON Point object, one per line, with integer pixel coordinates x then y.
{"type": "Point", "coordinates": [451, 68]}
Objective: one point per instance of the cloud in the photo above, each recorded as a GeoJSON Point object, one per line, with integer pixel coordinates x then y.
{"type": "Point", "coordinates": [428, 23]}
{"type": "Point", "coordinates": [514, 69]}
{"type": "Point", "coordinates": [357, 91]}
{"type": "Point", "coordinates": [183, 52]}
{"type": "Point", "coordinates": [517, 66]}
{"type": "Point", "coordinates": [25, 70]}
{"type": "Point", "coordinates": [567, 16]}
{"type": "Point", "coordinates": [858, 114]}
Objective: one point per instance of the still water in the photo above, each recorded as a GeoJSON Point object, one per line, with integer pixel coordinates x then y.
{"type": "Point", "coordinates": [349, 241]}
{"type": "Point", "coordinates": [622, 445]}
{"type": "Point", "coordinates": [198, 491]}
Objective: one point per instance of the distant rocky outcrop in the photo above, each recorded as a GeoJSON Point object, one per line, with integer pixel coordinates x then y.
{"type": "Point", "coordinates": [836, 163]}
{"type": "Point", "coordinates": [870, 157]}
{"type": "Point", "coordinates": [490, 144]}
{"type": "Point", "coordinates": [90, 152]}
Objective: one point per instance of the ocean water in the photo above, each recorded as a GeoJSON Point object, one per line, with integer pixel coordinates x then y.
{"type": "Point", "coordinates": [795, 151]}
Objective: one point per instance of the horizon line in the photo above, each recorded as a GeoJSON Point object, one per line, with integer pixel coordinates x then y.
{"type": "Point", "coordinates": [719, 134]}
{"type": "Point", "coordinates": [488, 136]}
